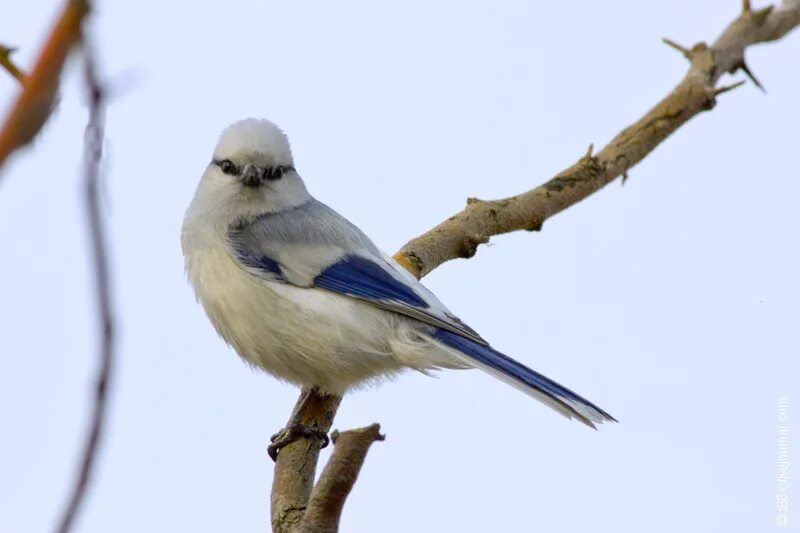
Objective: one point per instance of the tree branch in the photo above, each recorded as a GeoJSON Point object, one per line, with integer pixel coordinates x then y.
{"type": "Point", "coordinates": [93, 147]}
{"type": "Point", "coordinates": [337, 480]}
{"type": "Point", "coordinates": [460, 235]}
{"type": "Point", "coordinates": [296, 464]}
{"type": "Point", "coordinates": [39, 89]}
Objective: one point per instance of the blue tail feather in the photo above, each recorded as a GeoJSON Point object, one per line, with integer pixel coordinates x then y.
{"type": "Point", "coordinates": [525, 378]}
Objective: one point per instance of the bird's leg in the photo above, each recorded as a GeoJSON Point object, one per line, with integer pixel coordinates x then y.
{"type": "Point", "coordinates": [295, 429]}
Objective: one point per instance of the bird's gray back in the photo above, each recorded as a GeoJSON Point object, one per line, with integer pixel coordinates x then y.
{"type": "Point", "coordinates": [302, 241]}
{"type": "Point", "coordinates": [311, 224]}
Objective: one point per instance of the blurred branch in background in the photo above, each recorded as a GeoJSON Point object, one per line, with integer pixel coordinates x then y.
{"type": "Point", "coordinates": [9, 65]}
{"type": "Point", "coordinates": [40, 87]}
{"type": "Point", "coordinates": [93, 154]}
{"type": "Point", "coordinates": [298, 505]}
{"type": "Point", "coordinates": [26, 118]}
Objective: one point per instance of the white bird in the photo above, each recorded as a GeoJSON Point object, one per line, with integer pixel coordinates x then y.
{"type": "Point", "coordinates": [299, 291]}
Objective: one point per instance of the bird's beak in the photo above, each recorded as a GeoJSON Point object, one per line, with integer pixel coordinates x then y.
{"type": "Point", "coordinates": [251, 176]}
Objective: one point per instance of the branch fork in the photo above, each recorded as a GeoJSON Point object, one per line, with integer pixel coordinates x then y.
{"type": "Point", "coordinates": [300, 506]}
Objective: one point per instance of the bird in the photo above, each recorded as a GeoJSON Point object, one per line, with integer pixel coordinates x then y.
{"type": "Point", "coordinates": [299, 291]}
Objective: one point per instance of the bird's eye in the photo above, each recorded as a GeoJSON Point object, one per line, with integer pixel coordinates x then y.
{"type": "Point", "coordinates": [273, 173]}
{"type": "Point", "coordinates": [227, 166]}
{"type": "Point", "coordinates": [276, 173]}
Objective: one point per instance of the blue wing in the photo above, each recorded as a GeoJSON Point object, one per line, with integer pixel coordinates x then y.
{"type": "Point", "coordinates": [364, 278]}
{"type": "Point", "coordinates": [373, 280]}
{"type": "Point", "coordinates": [385, 284]}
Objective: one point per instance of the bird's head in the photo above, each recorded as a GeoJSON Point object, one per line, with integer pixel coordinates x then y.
{"type": "Point", "coordinates": [252, 171]}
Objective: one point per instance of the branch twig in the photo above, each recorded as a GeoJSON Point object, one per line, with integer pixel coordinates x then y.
{"type": "Point", "coordinates": [97, 234]}
{"type": "Point", "coordinates": [8, 64]}
{"type": "Point", "coordinates": [337, 480]}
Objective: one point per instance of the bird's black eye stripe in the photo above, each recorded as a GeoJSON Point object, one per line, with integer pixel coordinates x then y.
{"type": "Point", "coordinates": [227, 166]}
{"type": "Point", "coordinates": [276, 173]}
{"type": "Point", "coordinates": [270, 173]}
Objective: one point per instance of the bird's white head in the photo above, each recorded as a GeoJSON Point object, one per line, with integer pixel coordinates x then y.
{"type": "Point", "coordinates": [254, 140]}
{"type": "Point", "coordinates": [251, 173]}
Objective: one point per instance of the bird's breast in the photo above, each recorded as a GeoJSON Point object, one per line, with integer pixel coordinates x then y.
{"type": "Point", "coordinates": [306, 336]}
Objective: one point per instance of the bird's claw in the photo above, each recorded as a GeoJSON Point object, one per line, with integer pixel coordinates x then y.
{"type": "Point", "coordinates": [294, 432]}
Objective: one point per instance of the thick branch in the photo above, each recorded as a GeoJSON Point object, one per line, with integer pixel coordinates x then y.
{"type": "Point", "coordinates": [337, 480]}
{"type": "Point", "coordinates": [460, 235]}
{"type": "Point", "coordinates": [296, 465]}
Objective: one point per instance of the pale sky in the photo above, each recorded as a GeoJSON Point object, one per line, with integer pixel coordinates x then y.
{"type": "Point", "coordinates": [671, 302]}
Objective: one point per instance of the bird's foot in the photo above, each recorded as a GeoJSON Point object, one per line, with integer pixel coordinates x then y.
{"type": "Point", "coordinates": [294, 432]}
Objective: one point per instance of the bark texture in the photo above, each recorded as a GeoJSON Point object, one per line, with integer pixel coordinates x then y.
{"type": "Point", "coordinates": [337, 480]}
{"type": "Point", "coordinates": [460, 235]}
{"type": "Point", "coordinates": [296, 465]}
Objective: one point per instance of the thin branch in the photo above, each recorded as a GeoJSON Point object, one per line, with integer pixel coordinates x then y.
{"type": "Point", "coordinates": [682, 49]}
{"type": "Point", "coordinates": [725, 88]}
{"type": "Point", "coordinates": [8, 64]}
{"type": "Point", "coordinates": [744, 68]}
{"type": "Point", "coordinates": [39, 89]}
{"type": "Point", "coordinates": [337, 480]}
{"type": "Point", "coordinates": [97, 234]}
{"type": "Point", "coordinates": [460, 235]}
